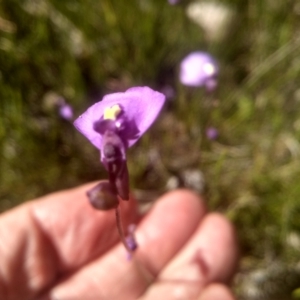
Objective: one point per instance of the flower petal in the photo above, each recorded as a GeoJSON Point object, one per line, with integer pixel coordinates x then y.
{"type": "Point", "coordinates": [141, 105]}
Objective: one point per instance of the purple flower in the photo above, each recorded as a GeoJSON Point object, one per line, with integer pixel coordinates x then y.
{"type": "Point", "coordinates": [66, 111]}
{"type": "Point", "coordinates": [212, 133]}
{"type": "Point", "coordinates": [199, 69]}
{"type": "Point", "coordinates": [173, 2]}
{"type": "Point", "coordinates": [130, 114]}
{"type": "Point", "coordinates": [113, 125]}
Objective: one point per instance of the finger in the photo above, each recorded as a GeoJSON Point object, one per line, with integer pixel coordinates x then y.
{"type": "Point", "coordinates": [41, 240]}
{"type": "Point", "coordinates": [216, 292]}
{"type": "Point", "coordinates": [210, 256]}
{"type": "Point", "coordinates": [160, 236]}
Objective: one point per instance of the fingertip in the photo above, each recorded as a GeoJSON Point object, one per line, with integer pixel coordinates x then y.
{"type": "Point", "coordinates": [219, 246]}
{"type": "Point", "coordinates": [168, 225]}
{"type": "Point", "coordinates": [209, 256]}
{"type": "Point", "coordinates": [219, 221]}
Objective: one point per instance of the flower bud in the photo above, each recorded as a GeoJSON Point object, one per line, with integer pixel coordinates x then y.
{"type": "Point", "coordinates": [103, 196]}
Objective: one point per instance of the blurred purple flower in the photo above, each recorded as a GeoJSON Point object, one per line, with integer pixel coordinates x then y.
{"type": "Point", "coordinates": [199, 69]}
{"type": "Point", "coordinates": [212, 133]}
{"type": "Point", "coordinates": [173, 2]}
{"type": "Point", "coordinates": [66, 111]}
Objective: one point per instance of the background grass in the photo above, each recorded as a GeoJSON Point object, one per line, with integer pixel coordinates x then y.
{"type": "Point", "coordinates": [82, 50]}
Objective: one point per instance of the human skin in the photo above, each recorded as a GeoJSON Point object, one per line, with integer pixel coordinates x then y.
{"type": "Point", "coordinates": [58, 247]}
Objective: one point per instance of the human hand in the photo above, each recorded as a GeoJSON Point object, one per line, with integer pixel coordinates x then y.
{"type": "Point", "coordinates": [60, 248]}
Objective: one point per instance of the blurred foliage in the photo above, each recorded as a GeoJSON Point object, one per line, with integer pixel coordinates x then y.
{"type": "Point", "coordinates": [81, 50]}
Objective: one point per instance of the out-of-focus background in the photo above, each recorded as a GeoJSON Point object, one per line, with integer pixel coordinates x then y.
{"type": "Point", "coordinates": [238, 144]}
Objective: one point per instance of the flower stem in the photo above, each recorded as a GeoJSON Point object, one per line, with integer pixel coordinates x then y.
{"type": "Point", "coordinates": [121, 230]}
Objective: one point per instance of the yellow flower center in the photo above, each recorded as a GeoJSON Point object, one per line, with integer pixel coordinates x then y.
{"type": "Point", "coordinates": [209, 69]}
{"type": "Point", "coordinates": [111, 113]}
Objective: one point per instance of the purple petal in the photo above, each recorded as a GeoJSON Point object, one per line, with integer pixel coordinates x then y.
{"type": "Point", "coordinates": [140, 104]}
{"type": "Point", "coordinates": [198, 69]}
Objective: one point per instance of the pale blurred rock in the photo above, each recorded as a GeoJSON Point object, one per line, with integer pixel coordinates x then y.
{"type": "Point", "coordinates": [214, 18]}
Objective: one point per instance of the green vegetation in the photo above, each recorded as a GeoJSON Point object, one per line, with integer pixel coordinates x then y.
{"type": "Point", "coordinates": [82, 50]}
